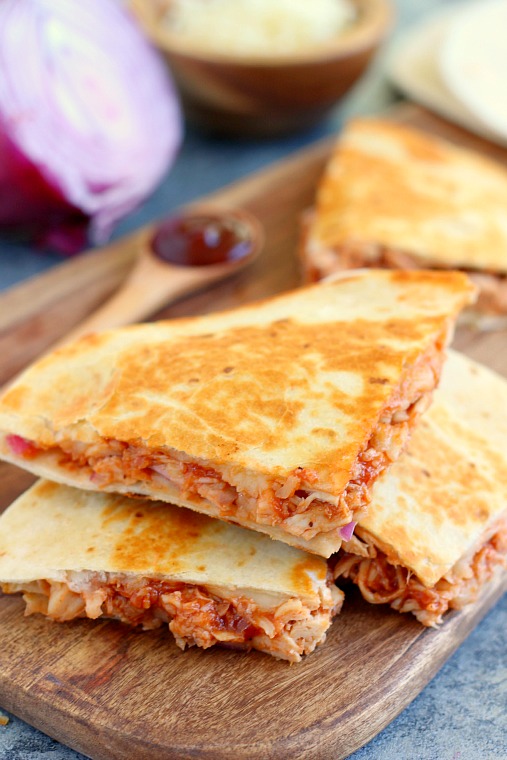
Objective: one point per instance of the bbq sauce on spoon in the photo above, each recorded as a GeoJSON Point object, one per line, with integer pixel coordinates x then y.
{"type": "Point", "coordinates": [203, 239]}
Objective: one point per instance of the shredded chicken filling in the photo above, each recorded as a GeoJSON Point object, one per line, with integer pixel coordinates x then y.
{"type": "Point", "coordinates": [492, 298]}
{"type": "Point", "coordinates": [292, 505]}
{"type": "Point", "coordinates": [382, 582]}
{"type": "Point", "coordinates": [195, 616]}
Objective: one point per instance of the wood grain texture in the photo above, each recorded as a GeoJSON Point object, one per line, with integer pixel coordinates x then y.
{"type": "Point", "coordinates": [120, 695]}
{"type": "Point", "coordinates": [114, 693]}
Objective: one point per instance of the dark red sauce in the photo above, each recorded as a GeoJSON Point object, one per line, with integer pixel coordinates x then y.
{"type": "Point", "coordinates": [203, 239]}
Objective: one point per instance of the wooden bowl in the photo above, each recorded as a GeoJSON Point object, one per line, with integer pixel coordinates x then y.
{"type": "Point", "coordinates": [267, 96]}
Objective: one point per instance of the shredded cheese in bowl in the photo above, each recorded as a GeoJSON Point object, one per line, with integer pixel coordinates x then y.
{"type": "Point", "coordinates": [257, 27]}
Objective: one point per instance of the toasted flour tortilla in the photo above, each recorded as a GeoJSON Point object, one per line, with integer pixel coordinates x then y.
{"type": "Point", "coordinates": [82, 554]}
{"type": "Point", "coordinates": [440, 513]}
{"type": "Point", "coordinates": [396, 197]}
{"type": "Point", "coordinates": [277, 416]}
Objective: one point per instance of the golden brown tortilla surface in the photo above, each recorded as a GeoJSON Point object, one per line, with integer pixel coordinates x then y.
{"type": "Point", "coordinates": [53, 529]}
{"type": "Point", "coordinates": [294, 381]}
{"type": "Point", "coordinates": [439, 500]}
{"type": "Point", "coordinates": [392, 186]}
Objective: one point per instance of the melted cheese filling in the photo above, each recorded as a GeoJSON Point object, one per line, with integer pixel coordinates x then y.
{"type": "Point", "coordinates": [382, 581]}
{"type": "Point", "coordinates": [196, 615]}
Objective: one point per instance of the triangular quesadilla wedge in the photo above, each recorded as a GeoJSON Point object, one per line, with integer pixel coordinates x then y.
{"type": "Point", "coordinates": [437, 528]}
{"type": "Point", "coordinates": [278, 416]}
{"type": "Point", "coordinates": [398, 198]}
{"type": "Point", "coordinates": [80, 554]}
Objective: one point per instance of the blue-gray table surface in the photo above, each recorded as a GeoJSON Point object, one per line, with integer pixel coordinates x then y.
{"type": "Point", "coordinates": [462, 713]}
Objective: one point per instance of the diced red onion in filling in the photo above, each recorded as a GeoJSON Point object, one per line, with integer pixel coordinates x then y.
{"type": "Point", "coordinates": [20, 446]}
{"type": "Point", "coordinates": [347, 531]}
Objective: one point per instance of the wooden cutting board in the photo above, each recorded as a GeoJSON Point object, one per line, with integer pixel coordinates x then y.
{"type": "Point", "coordinates": [113, 693]}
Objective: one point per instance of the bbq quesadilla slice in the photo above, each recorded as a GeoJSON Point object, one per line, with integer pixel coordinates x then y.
{"type": "Point", "coordinates": [76, 554]}
{"type": "Point", "coordinates": [394, 197]}
{"type": "Point", "coordinates": [437, 528]}
{"type": "Point", "coordinates": [278, 416]}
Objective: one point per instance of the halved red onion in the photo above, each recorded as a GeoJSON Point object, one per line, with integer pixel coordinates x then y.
{"type": "Point", "coordinates": [347, 531]}
{"type": "Point", "coordinates": [89, 119]}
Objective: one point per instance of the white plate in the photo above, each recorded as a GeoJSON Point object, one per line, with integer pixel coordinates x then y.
{"type": "Point", "coordinates": [473, 62]}
{"type": "Point", "coordinates": [415, 68]}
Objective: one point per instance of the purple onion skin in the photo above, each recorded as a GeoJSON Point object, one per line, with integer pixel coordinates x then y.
{"type": "Point", "coordinates": [32, 209]}
{"type": "Point", "coordinates": [36, 204]}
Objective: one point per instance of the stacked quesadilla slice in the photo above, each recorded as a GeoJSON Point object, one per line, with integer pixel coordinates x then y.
{"type": "Point", "coordinates": [278, 416]}
{"type": "Point", "coordinates": [436, 531]}
{"type": "Point", "coordinates": [288, 418]}
{"type": "Point", "coordinates": [76, 554]}
{"type": "Point", "coordinates": [394, 197]}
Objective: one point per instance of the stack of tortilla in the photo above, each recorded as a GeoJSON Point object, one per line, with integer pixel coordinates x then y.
{"type": "Point", "coordinates": [174, 453]}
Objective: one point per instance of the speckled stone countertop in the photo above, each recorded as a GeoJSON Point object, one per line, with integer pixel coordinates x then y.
{"type": "Point", "coordinates": [462, 713]}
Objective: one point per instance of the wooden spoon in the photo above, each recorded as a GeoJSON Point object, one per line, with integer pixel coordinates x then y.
{"type": "Point", "coordinates": [184, 254]}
